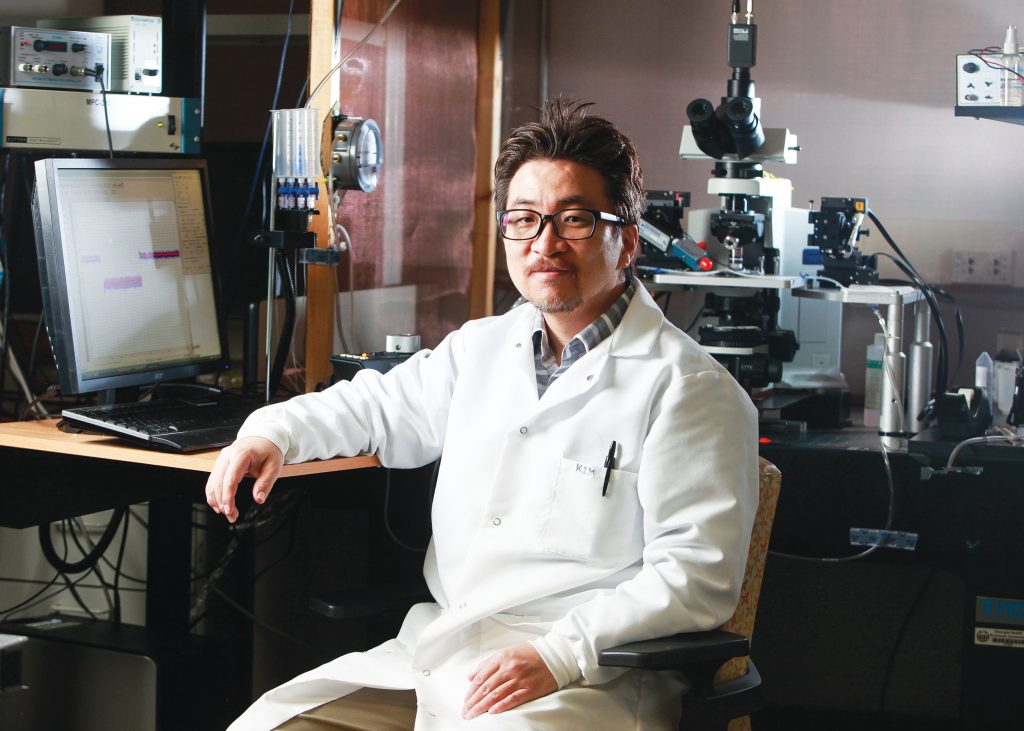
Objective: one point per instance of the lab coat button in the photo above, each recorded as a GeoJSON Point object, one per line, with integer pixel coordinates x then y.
{"type": "Point", "coordinates": [590, 377]}
{"type": "Point", "coordinates": [462, 605]}
{"type": "Point", "coordinates": [496, 521]}
{"type": "Point", "coordinates": [523, 430]}
{"type": "Point", "coordinates": [426, 673]}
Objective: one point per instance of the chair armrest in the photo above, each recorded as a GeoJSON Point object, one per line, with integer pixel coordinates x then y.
{"type": "Point", "coordinates": [677, 652]}
{"type": "Point", "coordinates": [697, 655]}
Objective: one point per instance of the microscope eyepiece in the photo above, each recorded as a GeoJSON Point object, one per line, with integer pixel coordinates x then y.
{"type": "Point", "coordinates": [744, 126]}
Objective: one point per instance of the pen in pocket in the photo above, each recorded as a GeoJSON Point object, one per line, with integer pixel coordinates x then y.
{"type": "Point", "coordinates": [609, 463]}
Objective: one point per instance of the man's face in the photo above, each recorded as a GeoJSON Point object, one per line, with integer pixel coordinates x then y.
{"type": "Point", "coordinates": [574, 280]}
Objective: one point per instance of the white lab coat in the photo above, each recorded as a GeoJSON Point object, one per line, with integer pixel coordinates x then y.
{"type": "Point", "coordinates": [525, 547]}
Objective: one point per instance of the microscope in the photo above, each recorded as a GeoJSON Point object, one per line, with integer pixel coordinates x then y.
{"type": "Point", "coordinates": [763, 335]}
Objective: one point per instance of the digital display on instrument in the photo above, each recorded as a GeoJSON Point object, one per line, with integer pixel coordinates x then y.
{"type": "Point", "coordinates": [58, 46]}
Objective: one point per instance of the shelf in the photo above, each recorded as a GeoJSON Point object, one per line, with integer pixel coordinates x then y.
{"type": "Point", "coordinates": [863, 294]}
{"type": "Point", "coordinates": [726, 279]}
{"type": "Point", "coordinates": [1013, 115]}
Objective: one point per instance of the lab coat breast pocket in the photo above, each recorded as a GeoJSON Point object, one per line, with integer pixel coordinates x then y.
{"type": "Point", "coordinates": [585, 525]}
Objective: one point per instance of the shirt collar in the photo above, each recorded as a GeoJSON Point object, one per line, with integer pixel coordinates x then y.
{"type": "Point", "coordinates": [590, 336]}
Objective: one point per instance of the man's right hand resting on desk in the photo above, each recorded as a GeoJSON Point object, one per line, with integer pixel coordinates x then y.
{"type": "Point", "coordinates": [248, 457]}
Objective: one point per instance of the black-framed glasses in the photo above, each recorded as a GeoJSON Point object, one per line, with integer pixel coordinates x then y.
{"type": "Point", "coordinates": [520, 224]}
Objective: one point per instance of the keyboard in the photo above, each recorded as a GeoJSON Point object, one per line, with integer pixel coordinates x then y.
{"type": "Point", "coordinates": [174, 424]}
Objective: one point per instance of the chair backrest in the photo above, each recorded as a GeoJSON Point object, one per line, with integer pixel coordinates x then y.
{"type": "Point", "coordinates": [742, 622]}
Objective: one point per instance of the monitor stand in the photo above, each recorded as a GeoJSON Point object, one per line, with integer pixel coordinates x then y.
{"type": "Point", "coordinates": [123, 395]}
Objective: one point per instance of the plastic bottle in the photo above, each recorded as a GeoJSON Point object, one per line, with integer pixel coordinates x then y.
{"type": "Point", "coordinates": [1012, 83]}
{"type": "Point", "coordinates": [985, 374]}
{"type": "Point", "coordinates": [873, 380]}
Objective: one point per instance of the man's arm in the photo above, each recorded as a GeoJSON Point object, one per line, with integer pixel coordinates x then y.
{"type": "Point", "coordinates": [400, 416]}
{"type": "Point", "coordinates": [698, 487]}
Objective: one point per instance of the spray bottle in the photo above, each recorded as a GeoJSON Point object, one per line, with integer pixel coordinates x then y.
{"type": "Point", "coordinates": [1012, 81]}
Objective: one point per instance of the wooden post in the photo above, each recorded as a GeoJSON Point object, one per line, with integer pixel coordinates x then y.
{"type": "Point", "coordinates": [488, 123]}
{"type": "Point", "coordinates": [321, 282]}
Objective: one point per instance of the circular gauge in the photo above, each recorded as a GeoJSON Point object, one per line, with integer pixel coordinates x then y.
{"type": "Point", "coordinates": [357, 154]}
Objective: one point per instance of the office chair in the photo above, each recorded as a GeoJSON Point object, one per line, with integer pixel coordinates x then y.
{"type": "Point", "coordinates": [725, 684]}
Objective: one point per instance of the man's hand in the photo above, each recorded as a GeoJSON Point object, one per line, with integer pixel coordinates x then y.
{"type": "Point", "coordinates": [507, 679]}
{"type": "Point", "coordinates": [249, 457]}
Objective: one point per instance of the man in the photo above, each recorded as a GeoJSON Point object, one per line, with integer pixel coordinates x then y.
{"type": "Point", "coordinates": [598, 475]}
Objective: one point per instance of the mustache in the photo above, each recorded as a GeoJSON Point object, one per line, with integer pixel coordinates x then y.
{"type": "Point", "coordinates": [546, 265]}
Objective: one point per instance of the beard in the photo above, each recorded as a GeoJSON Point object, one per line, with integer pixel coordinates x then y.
{"type": "Point", "coordinates": [556, 303]}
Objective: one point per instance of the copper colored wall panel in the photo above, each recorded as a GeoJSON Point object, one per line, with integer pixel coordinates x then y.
{"type": "Point", "coordinates": [417, 78]}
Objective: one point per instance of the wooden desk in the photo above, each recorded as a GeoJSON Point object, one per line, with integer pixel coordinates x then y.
{"type": "Point", "coordinates": [50, 475]}
{"type": "Point", "coordinates": [62, 484]}
{"type": "Point", "coordinates": [44, 436]}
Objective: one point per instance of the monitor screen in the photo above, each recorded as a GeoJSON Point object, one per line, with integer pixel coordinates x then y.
{"type": "Point", "coordinates": [126, 270]}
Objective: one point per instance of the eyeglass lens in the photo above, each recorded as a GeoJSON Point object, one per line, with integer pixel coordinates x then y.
{"type": "Point", "coordinates": [572, 223]}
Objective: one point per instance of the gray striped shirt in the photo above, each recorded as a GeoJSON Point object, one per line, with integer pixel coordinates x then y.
{"type": "Point", "coordinates": [548, 370]}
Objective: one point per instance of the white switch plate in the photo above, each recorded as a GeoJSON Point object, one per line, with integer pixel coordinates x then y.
{"type": "Point", "coordinates": [983, 267]}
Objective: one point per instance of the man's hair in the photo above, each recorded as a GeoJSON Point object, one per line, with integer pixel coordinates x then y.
{"type": "Point", "coordinates": [566, 132]}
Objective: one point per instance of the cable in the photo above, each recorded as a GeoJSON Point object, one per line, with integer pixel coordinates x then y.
{"type": "Point", "coordinates": [993, 50]}
{"type": "Point", "coordinates": [345, 59]}
{"type": "Point", "coordinates": [106, 117]}
{"type": "Point", "coordinates": [981, 440]}
{"type": "Point", "coordinates": [89, 560]}
{"type": "Point", "coordinates": [74, 526]}
{"type": "Point", "coordinates": [894, 387]}
{"type": "Point", "coordinates": [6, 284]}
{"type": "Point", "coordinates": [905, 265]}
{"type": "Point", "coordinates": [942, 361]}
{"type": "Point", "coordinates": [898, 639]}
{"type": "Point", "coordinates": [695, 320]}
{"type": "Point", "coordinates": [33, 601]}
{"type": "Point", "coordinates": [257, 174]}
{"type": "Point", "coordinates": [116, 618]}
{"type": "Point", "coordinates": [287, 326]}
{"type": "Point", "coordinates": [198, 609]}
{"type": "Point", "coordinates": [36, 599]}
{"type": "Point", "coordinates": [35, 347]}
{"type": "Point", "coordinates": [25, 603]}
{"type": "Point", "coordinates": [268, 514]}
{"type": "Point", "coordinates": [817, 278]}
{"type": "Point", "coordinates": [666, 300]}
{"type": "Point", "coordinates": [37, 401]}
{"type": "Point", "coordinates": [958, 315]}
{"type": "Point", "coordinates": [72, 587]}
{"type": "Point", "coordinates": [351, 292]}
{"type": "Point", "coordinates": [959, 320]}
{"type": "Point", "coordinates": [259, 622]}
{"type": "Point", "coordinates": [890, 518]}
{"type": "Point", "coordinates": [97, 73]}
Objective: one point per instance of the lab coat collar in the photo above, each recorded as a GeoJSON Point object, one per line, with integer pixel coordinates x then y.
{"type": "Point", "coordinates": [634, 337]}
{"type": "Point", "coordinates": [638, 331]}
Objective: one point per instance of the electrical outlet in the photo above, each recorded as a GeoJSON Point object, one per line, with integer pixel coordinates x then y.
{"type": "Point", "coordinates": [983, 267]}
{"type": "Point", "coordinates": [1002, 267]}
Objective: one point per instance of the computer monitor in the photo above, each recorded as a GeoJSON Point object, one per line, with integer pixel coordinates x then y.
{"type": "Point", "coordinates": [127, 273]}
